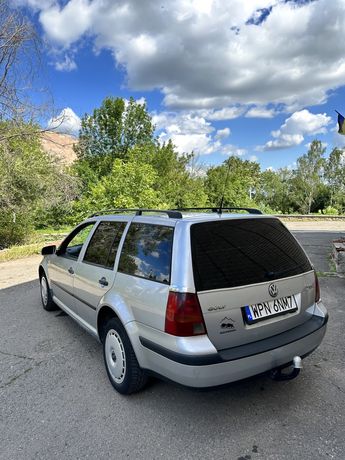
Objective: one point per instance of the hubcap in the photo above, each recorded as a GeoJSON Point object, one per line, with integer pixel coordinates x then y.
{"type": "Point", "coordinates": [115, 356]}
{"type": "Point", "coordinates": [44, 290]}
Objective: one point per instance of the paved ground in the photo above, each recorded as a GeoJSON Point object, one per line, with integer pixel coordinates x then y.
{"type": "Point", "coordinates": [318, 247]}
{"type": "Point", "coordinates": [56, 402]}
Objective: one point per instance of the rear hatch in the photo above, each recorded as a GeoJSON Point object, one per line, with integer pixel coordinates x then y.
{"type": "Point", "coordinates": [252, 278]}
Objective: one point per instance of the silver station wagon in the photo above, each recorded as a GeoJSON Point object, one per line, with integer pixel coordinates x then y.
{"type": "Point", "coordinates": [199, 297]}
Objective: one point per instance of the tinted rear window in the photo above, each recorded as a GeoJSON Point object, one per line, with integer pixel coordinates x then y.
{"type": "Point", "coordinates": [244, 251]}
{"type": "Point", "coordinates": [147, 252]}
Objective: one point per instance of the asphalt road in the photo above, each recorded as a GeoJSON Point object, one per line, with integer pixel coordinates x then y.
{"type": "Point", "coordinates": [56, 402]}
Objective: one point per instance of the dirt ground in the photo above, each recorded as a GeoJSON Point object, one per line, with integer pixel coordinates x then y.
{"type": "Point", "coordinates": [19, 271]}
{"type": "Point", "coordinates": [22, 270]}
{"type": "Point", "coordinates": [318, 226]}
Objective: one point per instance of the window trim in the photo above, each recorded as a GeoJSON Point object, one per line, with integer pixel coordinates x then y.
{"type": "Point", "coordinates": [171, 255]}
{"type": "Point", "coordinates": [69, 238]}
{"type": "Point", "coordinates": [93, 234]}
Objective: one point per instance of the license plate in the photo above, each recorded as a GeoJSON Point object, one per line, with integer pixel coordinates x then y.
{"type": "Point", "coordinates": [263, 310]}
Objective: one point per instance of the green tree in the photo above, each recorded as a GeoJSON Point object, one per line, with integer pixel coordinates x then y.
{"type": "Point", "coordinates": [174, 182]}
{"type": "Point", "coordinates": [29, 180]}
{"type": "Point", "coordinates": [307, 177]}
{"type": "Point", "coordinates": [335, 178]}
{"type": "Point", "coordinates": [274, 190]}
{"type": "Point", "coordinates": [111, 130]}
{"type": "Point", "coordinates": [240, 187]}
{"type": "Point", "coordinates": [126, 186]}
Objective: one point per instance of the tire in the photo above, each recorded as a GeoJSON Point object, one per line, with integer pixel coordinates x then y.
{"type": "Point", "coordinates": [120, 361]}
{"type": "Point", "coordinates": [46, 296]}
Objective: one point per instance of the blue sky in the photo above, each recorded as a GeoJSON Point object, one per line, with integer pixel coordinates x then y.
{"type": "Point", "coordinates": [259, 79]}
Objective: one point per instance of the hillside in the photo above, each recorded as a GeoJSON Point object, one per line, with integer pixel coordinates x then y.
{"type": "Point", "coordinates": [59, 146]}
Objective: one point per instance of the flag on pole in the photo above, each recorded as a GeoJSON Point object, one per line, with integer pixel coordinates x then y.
{"type": "Point", "coordinates": [341, 123]}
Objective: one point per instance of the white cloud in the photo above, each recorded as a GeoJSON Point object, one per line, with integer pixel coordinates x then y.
{"type": "Point", "coordinates": [200, 144]}
{"type": "Point", "coordinates": [66, 122]}
{"type": "Point", "coordinates": [34, 4]}
{"type": "Point", "coordinates": [253, 158]}
{"type": "Point", "coordinates": [293, 130]}
{"type": "Point", "coordinates": [183, 122]}
{"type": "Point", "coordinates": [304, 122]}
{"type": "Point", "coordinates": [222, 133]}
{"type": "Point", "coordinates": [232, 150]}
{"type": "Point", "coordinates": [284, 141]}
{"type": "Point", "coordinates": [260, 112]}
{"type": "Point", "coordinates": [189, 131]}
{"type": "Point", "coordinates": [65, 25]}
{"type": "Point", "coordinates": [212, 54]}
{"type": "Point", "coordinates": [227, 113]}
{"type": "Point", "coordinates": [66, 65]}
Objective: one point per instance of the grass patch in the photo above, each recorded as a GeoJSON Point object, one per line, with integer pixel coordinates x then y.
{"type": "Point", "coordinates": [18, 252]}
{"type": "Point", "coordinates": [35, 242]}
{"type": "Point", "coordinates": [53, 231]}
{"type": "Point", "coordinates": [329, 274]}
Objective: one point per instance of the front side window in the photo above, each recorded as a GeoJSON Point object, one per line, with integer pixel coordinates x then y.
{"type": "Point", "coordinates": [147, 252]}
{"type": "Point", "coordinates": [103, 246]}
{"type": "Point", "coordinates": [71, 247]}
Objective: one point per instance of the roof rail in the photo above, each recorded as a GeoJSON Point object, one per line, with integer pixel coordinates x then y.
{"type": "Point", "coordinates": [220, 210]}
{"type": "Point", "coordinates": [172, 214]}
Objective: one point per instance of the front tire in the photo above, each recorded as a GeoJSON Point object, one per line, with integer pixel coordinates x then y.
{"type": "Point", "coordinates": [121, 364]}
{"type": "Point", "coordinates": [46, 297]}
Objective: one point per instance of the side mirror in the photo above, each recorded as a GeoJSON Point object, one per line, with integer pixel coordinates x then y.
{"type": "Point", "coordinates": [48, 250]}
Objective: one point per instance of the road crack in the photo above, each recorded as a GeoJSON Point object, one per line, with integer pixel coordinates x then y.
{"type": "Point", "coordinates": [15, 355]}
{"type": "Point", "coordinates": [16, 377]}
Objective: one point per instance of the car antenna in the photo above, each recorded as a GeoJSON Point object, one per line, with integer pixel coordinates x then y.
{"type": "Point", "coordinates": [225, 184]}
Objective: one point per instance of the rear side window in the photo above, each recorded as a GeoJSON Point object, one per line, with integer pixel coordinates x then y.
{"type": "Point", "coordinates": [244, 251]}
{"type": "Point", "coordinates": [103, 246]}
{"type": "Point", "coordinates": [147, 252]}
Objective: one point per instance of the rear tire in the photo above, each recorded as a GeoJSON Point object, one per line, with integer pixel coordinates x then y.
{"type": "Point", "coordinates": [121, 364]}
{"type": "Point", "coordinates": [46, 297]}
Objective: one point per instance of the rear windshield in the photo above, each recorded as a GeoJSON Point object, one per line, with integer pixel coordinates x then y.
{"type": "Point", "coordinates": [244, 251]}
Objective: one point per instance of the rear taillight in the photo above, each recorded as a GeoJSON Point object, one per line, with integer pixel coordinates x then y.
{"type": "Point", "coordinates": [317, 288]}
{"type": "Point", "coordinates": [183, 315]}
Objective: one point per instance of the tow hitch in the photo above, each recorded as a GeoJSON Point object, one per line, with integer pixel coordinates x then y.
{"type": "Point", "coordinates": [278, 375]}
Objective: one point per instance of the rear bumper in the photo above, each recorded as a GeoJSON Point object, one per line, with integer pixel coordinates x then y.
{"type": "Point", "coordinates": [225, 366]}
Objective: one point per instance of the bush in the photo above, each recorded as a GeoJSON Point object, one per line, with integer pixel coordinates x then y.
{"type": "Point", "coordinates": [54, 216]}
{"type": "Point", "coordinates": [330, 211]}
{"type": "Point", "coordinates": [14, 228]}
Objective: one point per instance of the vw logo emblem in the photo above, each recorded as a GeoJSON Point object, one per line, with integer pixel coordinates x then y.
{"type": "Point", "coordinates": [273, 290]}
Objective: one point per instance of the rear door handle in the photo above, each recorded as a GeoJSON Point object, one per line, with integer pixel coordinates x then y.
{"type": "Point", "coordinates": [103, 281]}
{"type": "Point", "coordinates": [71, 271]}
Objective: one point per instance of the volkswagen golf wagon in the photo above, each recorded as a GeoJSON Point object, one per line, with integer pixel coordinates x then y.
{"type": "Point", "coordinates": [201, 298]}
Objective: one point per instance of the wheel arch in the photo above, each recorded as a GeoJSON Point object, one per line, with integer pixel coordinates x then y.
{"type": "Point", "coordinates": [41, 272]}
{"type": "Point", "coordinates": [104, 314]}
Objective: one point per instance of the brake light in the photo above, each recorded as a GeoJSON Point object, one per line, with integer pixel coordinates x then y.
{"type": "Point", "coordinates": [317, 288]}
{"type": "Point", "coordinates": [183, 315]}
